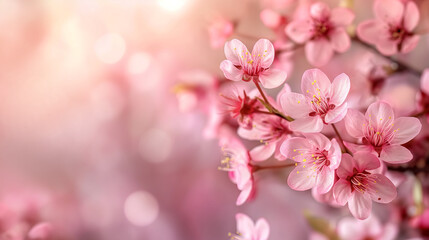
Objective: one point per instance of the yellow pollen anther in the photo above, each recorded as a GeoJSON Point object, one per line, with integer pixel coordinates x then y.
{"type": "Point", "coordinates": [296, 164]}
{"type": "Point", "coordinates": [378, 133]}
{"type": "Point", "coordinates": [297, 171]}
{"type": "Point", "coordinates": [299, 101]}
{"type": "Point", "coordinates": [308, 91]}
{"type": "Point", "coordinates": [294, 150]}
{"type": "Point", "coordinates": [303, 166]}
{"type": "Point", "coordinates": [304, 160]}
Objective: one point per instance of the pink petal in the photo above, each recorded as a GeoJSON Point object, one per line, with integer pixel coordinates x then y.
{"type": "Point", "coordinates": [250, 134]}
{"type": "Point", "coordinates": [424, 84]}
{"type": "Point", "coordinates": [337, 114]}
{"type": "Point", "coordinates": [271, 18]}
{"type": "Point", "coordinates": [406, 129]}
{"type": "Point", "coordinates": [300, 30]}
{"type": "Point", "coordinates": [320, 11]}
{"type": "Point", "coordinates": [262, 152]}
{"type": "Point", "coordinates": [41, 231]}
{"type": "Point", "coordinates": [244, 225]}
{"type": "Point", "coordinates": [325, 180]}
{"type": "Point", "coordinates": [390, 11]}
{"type": "Point", "coordinates": [369, 31]}
{"type": "Point", "coordinates": [295, 105]}
{"type": "Point", "coordinates": [395, 154]}
{"type": "Point", "coordinates": [340, 40]}
{"type": "Point", "coordinates": [341, 16]}
{"type": "Point", "coordinates": [233, 49]}
{"type": "Point", "coordinates": [349, 228]}
{"type": "Point", "coordinates": [293, 147]}
{"type": "Point", "coordinates": [318, 52]}
{"type": "Point", "coordinates": [366, 161]}
{"type": "Point", "coordinates": [387, 47]}
{"type": "Point", "coordinates": [307, 124]}
{"type": "Point", "coordinates": [354, 121]}
{"type": "Point", "coordinates": [319, 140]}
{"type": "Point", "coordinates": [230, 71]}
{"type": "Point", "coordinates": [340, 89]}
{"type": "Point", "coordinates": [265, 49]}
{"type": "Point", "coordinates": [411, 16]}
{"type": "Point", "coordinates": [245, 193]}
{"type": "Point", "coordinates": [285, 89]}
{"type": "Point", "coordinates": [409, 43]}
{"type": "Point", "coordinates": [272, 78]}
{"type": "Point", "coordinates": [360, 205]}
{"type": "Point", "coordinates": [313, 81]}
{"type": "Point", "coordinates": [346, 166]}
{"type": "Point", "coordinates": [302, 178]}
{"type": "Point", "coordinates": [380, 115]}
{"type": "Point", "coordinates": [334, 154]}
{"type": "Point", "coordinates": [342, 191]}
{"type": "Point", "coordinates": [242, 176]}
{"type": "Point", "coordinates": [262, 229]}
{"type": "Point", "coordinates": [382, 190]}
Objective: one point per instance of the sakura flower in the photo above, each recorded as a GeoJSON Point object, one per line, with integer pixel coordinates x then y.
{"type": "Point", "coordinates": [382, 133]}
{"type": "Point", "coordinates": [255, 66]}
{"type": "Point", "coordinates": [370, 228]}
{"type": "Point", "coordinates": [322, 102]}
{"type": "Point", "coordinates": [247, 230]}
{"type": "Point", "coordinates": [423, 97]}
{"type": "Point", "coordinates": [219, 31]}
{"type": "Point", "coordinates": [358, 187]}
{"type": "Point", "coordinates": [316, 160]}
{"type": "Point", "coordinates": [236, 163]}
{"type": "Point", "coordinates": [392, 29]}
{"type": "Point", "coordinates": [323, 32]}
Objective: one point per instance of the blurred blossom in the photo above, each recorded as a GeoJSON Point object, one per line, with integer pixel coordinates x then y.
{"type": "Point", "coordinates": [110, 48]}
{"type": "Point", "coordinates": [141, 208]}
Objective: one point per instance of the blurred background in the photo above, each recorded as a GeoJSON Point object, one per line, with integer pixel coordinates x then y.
{"type": "Point", "coordinates": [93, 139]}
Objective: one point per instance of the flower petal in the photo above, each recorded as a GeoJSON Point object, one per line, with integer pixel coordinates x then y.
{"type": "Point", "coordinates": [318, 52]}
{"type": "Point", "coordinates": [245, 193]}
{"type": "Point", "coordinates": [337, 114]}
{"type": "Point", "coordinates": [406, 129]}
{"type": "Point", "coordinates": [285, 89]}
{"type": "Point", "coordinates": [369, 30]}
{"type": "Point", "coordinates": [262, 229]}
{"type": "Point", "coordinates": [295, 105]}
{"type": "Point", "coordinates": [262, 152]}
{"type": "Point", "coordinates": [244, 225]}
{"type": "Point", "coordinates": [302, 178]}
{"type": "Point", "coordinates": [395, 154]}
{"type": "Point", "coordinates": [382, 190]}
{"type": "Point", "coordinates": [346, 166]}
{"type": "Point", "coordinates": [272, 78]}
{"type": "Point", "coordinates": [293, 147]}
{"type": "Point", "coordinates": [334, 154]}
{"type": "Point", "coordinates": [424, 84]}
{"type": "Point", "coordinates": [233, 49]}
{"type": "Point", "coordinates": [387, 46]}
{"type": "Point", "coordinates": [299, 31]}
{"type": "Point", "coordinates": [315, 81]}
{"type": "Point", "coordinates": [380, 115]}
{"type": "Point", "coordinates": [411, 16]}
{"type": "Point", "coordinates": [264, 49]}
{"type": "Point", "coordinates": [360, 205]}
{"type": "Point", "coordinates": [354, 121]}
{"type": "Point", "coordinates": [340, 40]}
{"type": "Point", "coordinates": [230, 71]}
{"type": "Point", "coordinates": [318, 140]}
{"type": "Point", "coordinates": [325, 180]}
{"type": "Point", "coordinates": [242, 176]}
{"type": "Point", "coordinates": [340, 88]}
{"type": "Point", "coordinates": [342, 191]}
{"type": "Point", "coordinates": [390, 11]}
{"type": "Point", "coordinates": [320, 11]}
{"type": "Point", "coordinates": [250, 134]}
{"type": "Point", "coordinates": [409, 43]}
{"type": "Point", "coordinates": [341, 16]}
{"type": "Point", "coordinates": [366, 161]}
{"type": "Point", "coordinates": [307, 124]}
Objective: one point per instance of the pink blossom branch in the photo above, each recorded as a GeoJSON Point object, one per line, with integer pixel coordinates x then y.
{"type": "Point", "coordinates": [258, 168]}
{"type": "Point", "coordinates": [341, 139]}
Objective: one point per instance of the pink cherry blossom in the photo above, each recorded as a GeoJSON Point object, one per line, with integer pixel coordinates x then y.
{"type": "Point", "coordinates": [423, 97]}
{"type": "Point", "coordinates": [358, 186]}
{"type": "Point", "coordinates": [323, 32]}
{"type": "Point", "coordinates": [322, 102]}
{"type": "Point", "coordinates": [392, 29]}
{"type": "Point", "coordinates": [236, 163]}
{"type": "Point", "coordinates": [382, 133]}
{"type": "Point", "coordinates": [219, 31]}
{"type": "Point", "coordinates": [316, 160]}
{"type": "Point", "coordinates": [255, 66]}
{"type": "Point", "coordinates": [370, 228]}
{"type": "Point", "coordinates": [247, 230]}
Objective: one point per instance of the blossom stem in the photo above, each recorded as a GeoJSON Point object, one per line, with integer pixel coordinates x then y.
{"type": "Point", "coordinates": [400, 66]}
{"type": "Point", "coordinates": [258, 168]}
{"type": "Point", "coordinates": [341, 139]}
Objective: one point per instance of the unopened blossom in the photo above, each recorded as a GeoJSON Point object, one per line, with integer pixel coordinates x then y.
{"type": "Point", "coordinates": [322, 31]}
{"type": "Point", "coordinates": [219, 31]}
{"type": "Point", "coordinates": [247, 230]}
{"type": "Point", "coordinates": [322, 102]}
{"type": "Point", "coordinates": [392, 29]}
{"type": "Point", "coordinates": [316, 159]}
{"type": "Point", "coordinates": [236, 163]}
{"type": "Point", "coordinates": [382, 133]}
{"type": "Point", "coordinates": [353, 229]}
{"type": "Point", "coordinates": [254, 66]}
{"type": "Point", "coordinates": [358, 186]}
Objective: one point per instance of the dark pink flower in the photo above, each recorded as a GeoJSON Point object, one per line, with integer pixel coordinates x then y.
{"type": "Point", "coordinates": [382, 133]}
{"type": "Point", "coordinates": [247, 230]}
{"type": "Point", "coordinates": [322, 32]}
{"type": "Point", "coordinates": [392, 29]}
{"type": "Point", "coordinates": [322, 102]}
{"type": "Point", "coordinates": [358, 186]}
{"type": "Point", "coordinates": [255, 66]}
{"type": "Point", "coordinates": [316, 160]}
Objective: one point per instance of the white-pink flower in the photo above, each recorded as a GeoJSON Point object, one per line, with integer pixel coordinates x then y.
{"type": "Point", "coordinates": [255, 66]}
{"type": "Point", "coordinates": [323, 32]}
{"type": "Point", "coordinates": [370, 228]}
{"type": "Point", "coordinates": [322, 102]}
{"type": "Point", "coordinates": [392, 29]}
{"type": "Point", "coordinates": [247, 230]}
{"type": "Point", "coordinates": [316, 160]}
{"type": "Point", "coordinates": [358, 186]}
{"type": "Point", "coordinates": [382, 133]}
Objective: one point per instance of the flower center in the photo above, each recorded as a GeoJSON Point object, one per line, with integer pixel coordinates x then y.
{"type": "Point", "coordinates": [321, 29]}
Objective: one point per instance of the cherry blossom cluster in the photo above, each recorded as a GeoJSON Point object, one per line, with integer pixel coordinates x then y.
{"type": "Point", "coordinates": [346, 153]}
